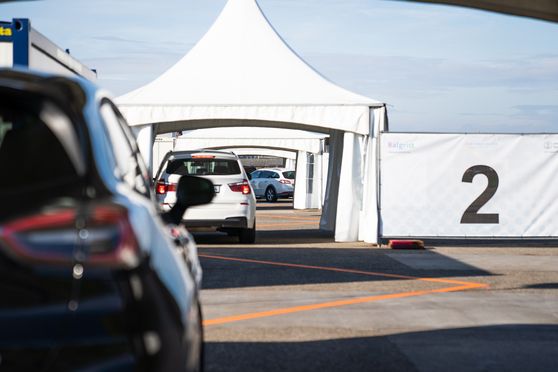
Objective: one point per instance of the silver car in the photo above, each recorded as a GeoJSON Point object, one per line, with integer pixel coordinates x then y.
{"type": "Point", "coordinates": [273, 183]}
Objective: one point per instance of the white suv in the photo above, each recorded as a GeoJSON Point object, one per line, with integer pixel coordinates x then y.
{"type": "Point", "coordinates": [273, 183]}
{"type": "Point", "coordinates": [233, 210]}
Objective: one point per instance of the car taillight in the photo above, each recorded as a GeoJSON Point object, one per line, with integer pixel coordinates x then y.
{"type": "Point", "coordinates": [243, 187]}
{"type": "Point", "coordinates": [285, 182]}
{"type": "Point", "coordinates": [106, 239]}
{"type": "Point", "coordinates": [163, 187]}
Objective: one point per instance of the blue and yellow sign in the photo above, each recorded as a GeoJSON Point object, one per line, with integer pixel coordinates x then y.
{"type": "Point", "coordinates": [5, 31]}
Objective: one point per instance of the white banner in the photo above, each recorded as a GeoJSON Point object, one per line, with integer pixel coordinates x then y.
{"type": "Point", "coordinates": [469, 185]}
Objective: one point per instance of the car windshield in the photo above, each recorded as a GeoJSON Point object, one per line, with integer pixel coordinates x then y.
{"type": "Point", "coordinates": [289, 175]}
{"type": "Point", "coordinates": [209, 167]}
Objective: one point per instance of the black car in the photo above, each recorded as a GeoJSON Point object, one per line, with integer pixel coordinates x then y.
{"type": "Point", "coordinates": [92, 275]}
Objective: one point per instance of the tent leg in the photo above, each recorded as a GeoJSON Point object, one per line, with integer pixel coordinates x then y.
{"type": "Point", "coordinates": [325, 168]}
{"type": "Point", "coordinates": [350, 189]}
{"type": "Point", "coordinates": [145, 137]}
{"type": "Point", "coordinates": [329, 212]}
{"type": "Point", "coordinates": [299, 201]}
{"type": "Point", "coordinates": [290, 163]}
{"type": "Point", "coordinates": [368, 226]}
{"type": "Point", "coordinates": [370, 229]}
{"type": "Point", "coordinates": [315, 197]}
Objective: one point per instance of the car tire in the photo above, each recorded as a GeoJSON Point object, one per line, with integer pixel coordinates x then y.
{"type": "Point", "coordinates": [270, 194]}
{"type": "Point", "coordinates": [248, 235]}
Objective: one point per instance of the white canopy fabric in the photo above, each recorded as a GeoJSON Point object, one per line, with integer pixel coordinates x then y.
{"type": "Point", "coordinates": [241, 73]}
{"type": "Point", "coordinates": [242, 69]}
{"type": "Point", "coordinates": [288, 155]}
{"type": "Point", "coordinates": [276, 138]}
{"type": "Point", "coordinates": [299, 141]}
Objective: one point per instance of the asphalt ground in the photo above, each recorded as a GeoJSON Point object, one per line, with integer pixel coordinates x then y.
{"type": "Point", "coordinates": [296, 301]}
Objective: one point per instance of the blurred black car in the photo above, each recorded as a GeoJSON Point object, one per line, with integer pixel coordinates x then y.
{"type": "Point", "coordinates": [92, 277]}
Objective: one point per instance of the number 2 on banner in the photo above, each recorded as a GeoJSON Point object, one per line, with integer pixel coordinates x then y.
{"type": "Point", "coordinates": [471, 214]}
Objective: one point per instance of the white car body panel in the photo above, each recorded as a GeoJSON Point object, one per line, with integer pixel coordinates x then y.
{"type": "Point", "coordinates": [226, 204]}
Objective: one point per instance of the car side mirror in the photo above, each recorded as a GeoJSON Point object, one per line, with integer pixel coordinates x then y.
{"type": "Point", "coordinates": [190, 191]}
{"type": "Point", "coordinates": [249, 176]}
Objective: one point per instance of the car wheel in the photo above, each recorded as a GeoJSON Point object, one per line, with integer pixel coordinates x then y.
{"type": "Point", "coordinates": [270, 194]}
{"type": "Point", "coordinates": [247, 236]}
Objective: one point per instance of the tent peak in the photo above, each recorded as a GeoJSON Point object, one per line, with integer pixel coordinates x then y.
{"type": "Point", "coordinates": [242, 69]}
{"type": "Point", "coordinates": [242, 60]}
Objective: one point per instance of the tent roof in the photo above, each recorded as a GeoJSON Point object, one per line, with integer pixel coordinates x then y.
{"type": "Point", "coordinates": [253, 137]}
{"type": "Point", "coordinates": [241, 61]}
{"type": "Point", "coordinates": [251, 132]}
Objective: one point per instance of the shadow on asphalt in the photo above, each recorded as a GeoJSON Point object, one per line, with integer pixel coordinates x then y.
{"type": "Point", "coordinates": [542, 286]}
{"type": "Point", "coordinates": [220, 274]}
{"type": "Point", "coordinates": [515, 347]}
{"type": "Point", "coordinates": [281, 204]}
{"type": "Point", "coordinates": [299, 236]}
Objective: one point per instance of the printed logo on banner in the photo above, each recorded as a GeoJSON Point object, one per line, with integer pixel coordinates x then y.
{"type": "Point", "coordinates": [550, 146]}
{"type": "Point", "coordinates": [400, 147]}
{"type": "Point", "coordinates": [480, 144]}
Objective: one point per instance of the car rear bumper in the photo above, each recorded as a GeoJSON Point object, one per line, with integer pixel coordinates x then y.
{"type": "Point", "coordinates": [222, 215]}
{"type": "Point", "coordinates": [227, 223]}
{"type": "Point", "coordinates": [284, 190]}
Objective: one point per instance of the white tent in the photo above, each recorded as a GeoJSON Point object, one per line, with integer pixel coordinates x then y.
{"type": "Point", "coordinates": [295, 140]}
{"type": "Point", "coordinates": [241, 73]}
{"type": "Point", "coordinates": [306, 145]}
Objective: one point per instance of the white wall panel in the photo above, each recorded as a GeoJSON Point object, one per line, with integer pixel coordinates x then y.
{"type": "Point", "coordinates": [425, 193]}
{"type": "Point", "coordinates": [40, 61]}
{"type": "Point", "coordinates": [6, 54]}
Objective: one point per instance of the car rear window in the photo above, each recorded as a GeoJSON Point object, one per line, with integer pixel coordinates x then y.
{"type": "Point", "coordinates": [289, 175]}
{"type": "Point", "coordinates": [35, 143]}
{"type": "Point", "coordinates": [203, 167]}
{"type": "Point", "coordinates": [41, 154]}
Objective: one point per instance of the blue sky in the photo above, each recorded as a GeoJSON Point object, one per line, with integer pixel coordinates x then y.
{"type": "Point", "coordinates": [440, 68]}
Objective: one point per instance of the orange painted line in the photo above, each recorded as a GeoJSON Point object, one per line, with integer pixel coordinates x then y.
{"type": "Point", "coordinates": [335, 269]}
{"type": "Point", "coordinates": [325, 305]}
{"type": "Point", "coordinates": [462, 286]}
